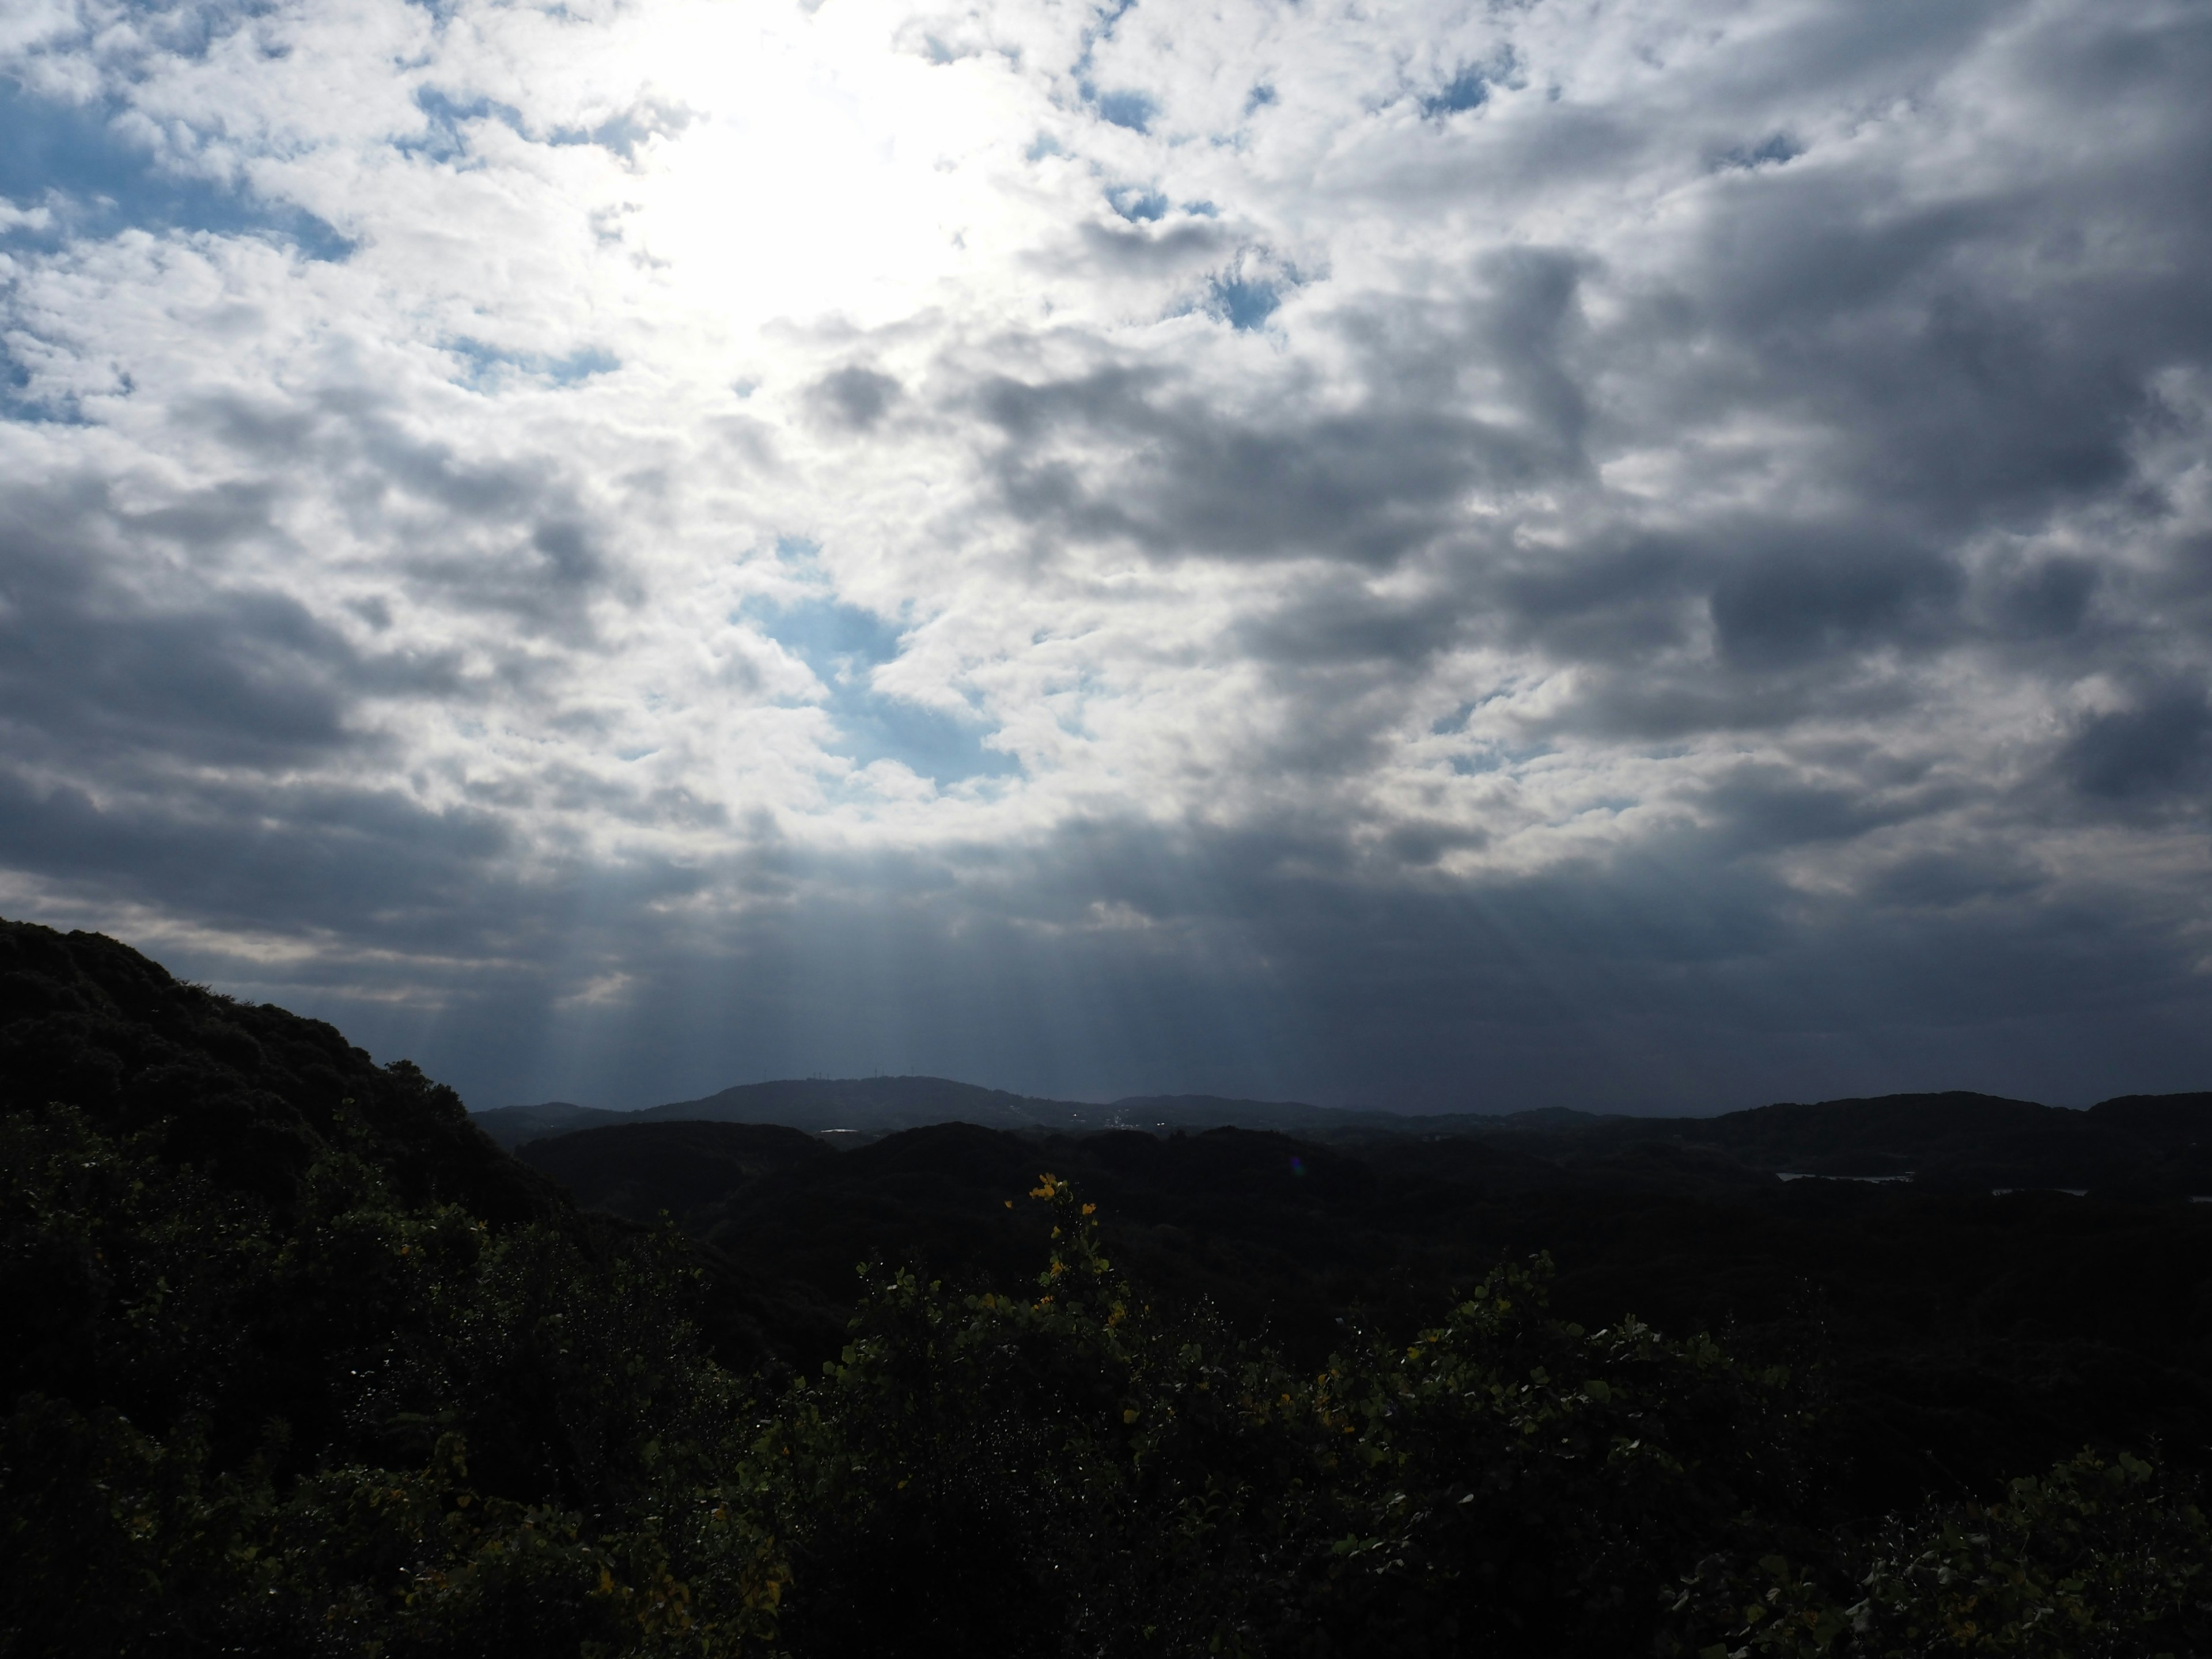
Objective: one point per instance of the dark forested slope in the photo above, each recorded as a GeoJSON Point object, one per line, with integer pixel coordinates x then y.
{"type": "Point", "coordinates": [251, 1096]}
{"type": "Point", "coordinates": [642, 1169]}
{"type": "Point", "coordinates": [294, 1360]}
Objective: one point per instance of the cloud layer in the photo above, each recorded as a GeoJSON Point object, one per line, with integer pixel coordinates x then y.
{"type": "Point", "coordinates": [1625, 554]}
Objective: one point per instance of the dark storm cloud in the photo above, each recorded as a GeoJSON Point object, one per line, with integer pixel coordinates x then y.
{"type": "Point", "coordinates": [92, 665]}
{"type": "Point", "coordinates": [1810, 596]}
{"type": "Point", "coordinates": [1339, 622]}
{"type": "Point", "coordinates": [1138, 456]}
{"type": "Point", "coordinates": [1135, 249]}
{"type": "Point", "coordinates": [1988, 357]}
{"type": "Point", "coordinates": [2158, 747]}
{"type": "Point", "coordinates": [856, 398]}
{"type": "Point", "coordinates": [509, 535]}
{"type": "Point", "coordinates": [1760, 808]}
{"type": "Point", "coordinates": [2044, 601]}
{"type": "Point", "coordinates": [1949, 393]}
{"type": "Point", "coordinates": [368, 863]}
{"type": "Point", "coordinates": [1177, 477]}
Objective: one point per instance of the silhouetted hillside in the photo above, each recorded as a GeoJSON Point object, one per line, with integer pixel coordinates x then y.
{"type": "Point", "coordinates": [2170, 1121]}
{"type": "Point", "coordinates": [882, 1105]}
{"type": "Point", "coordinates": [251, 1095]}
{"type": "Point", "coordinates": [510, 1126]}
{"type": "Point", "coordinates": [875, 1103]}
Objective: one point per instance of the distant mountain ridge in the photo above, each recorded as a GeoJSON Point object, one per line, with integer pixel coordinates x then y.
{"type": "Point", "coordinates": [873, 1103]}
{"type": "Point", "coordinates": [510, 1126]}
{"type": "Point", "coordinates": [882, 1105]}
{"type": "Point", "coordinates": [1955, 1138]}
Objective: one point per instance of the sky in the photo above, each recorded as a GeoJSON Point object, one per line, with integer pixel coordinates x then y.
{"type": "Point", "coordinates": [1643, 555]}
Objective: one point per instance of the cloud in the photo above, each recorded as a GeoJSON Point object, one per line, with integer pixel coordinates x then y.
{"type": "Point", "coordinates": [1643, 557]}
{"type": "Point", "coordinates": [2156, 746]}
{"type": "Point", "coordinates": [855, 398]}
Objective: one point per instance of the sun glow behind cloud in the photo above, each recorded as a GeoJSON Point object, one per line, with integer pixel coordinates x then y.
{"type": "Point", "coordinates": [818, 177]}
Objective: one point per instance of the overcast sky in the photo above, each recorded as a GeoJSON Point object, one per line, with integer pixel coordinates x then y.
{"type": "Point", "coordinates": [1651, 555]}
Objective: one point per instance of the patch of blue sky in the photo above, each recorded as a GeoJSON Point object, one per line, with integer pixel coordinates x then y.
{"type": "Point", "coordinates": [20, 404]}
{"type": "Point", "coordinates": [1468, 89]}
{"type": "Point", "coordinates": [802, 558]}
{"type": "Point", "coordinates": [844, 645]}
{"type": "Point", "coordinates": [629, 132]}
{"type": "Point", "coordinates": [485, 367]}
{"type": "Point", "coordinates": [96, 181]}
{"type": "Point", "coordinates": [1136, 205]}
{"type": "Point", "coordinates": [1245, 303]}
{"type": "Point", "coordinates": [442, 138]}
{"type": "Point", "coordinates": [1470, 86]}
{"type": "Point", "coordinates": [1123, 108]}
{"type": "Point", "coordinates": [1779, 149]}
{"type": "Point", "coordinates": [1498, 757]}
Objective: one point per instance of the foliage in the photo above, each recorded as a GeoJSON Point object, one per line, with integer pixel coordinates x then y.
{"type": "Point", "coordinates": [1077, 1472]}
{"type": "Point", "coordinates": [2098, 1560]}
{"type": "Point", "coordinates": [165, 1314]}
